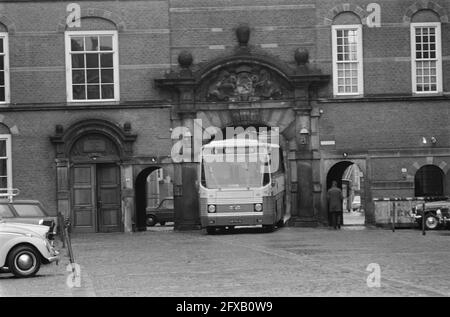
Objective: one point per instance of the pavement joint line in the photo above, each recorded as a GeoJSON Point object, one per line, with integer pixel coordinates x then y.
{"type": "Point", "coordinates": [356, 273]}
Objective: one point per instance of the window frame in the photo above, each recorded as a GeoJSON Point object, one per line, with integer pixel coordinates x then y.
{"type": "Point", "coordinates": [439, 79]}
{"type": "Point", "coordinates": [5, 37]}
{"type": "Point", "coordinates": [360, 61]}
{"type": "Point", "coordinates": [115, 44]}
{"type": "Point", "coordinates": [7, 137]}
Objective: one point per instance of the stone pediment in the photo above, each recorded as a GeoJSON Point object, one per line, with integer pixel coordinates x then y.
{"type": "Point", "coordinates": [243, 82]}
{"type": "Point", "coordinates": [245, 75]}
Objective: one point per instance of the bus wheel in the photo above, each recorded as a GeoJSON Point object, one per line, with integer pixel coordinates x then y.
{"type": "Point", "coordinates": [211, 230]}
{"type": "Point", "coordinates": [268, 228]}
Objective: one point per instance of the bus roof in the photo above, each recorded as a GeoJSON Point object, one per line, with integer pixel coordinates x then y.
{"type": "Point", "coordinates": [239, 142]}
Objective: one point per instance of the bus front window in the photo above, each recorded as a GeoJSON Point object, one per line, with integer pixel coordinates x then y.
{"type": "Point", "coordinates": [233, 174]}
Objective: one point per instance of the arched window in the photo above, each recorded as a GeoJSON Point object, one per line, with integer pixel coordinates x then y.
{"type": "Point", "coordinates": [4, 66]}
{"type": "Point", "coordinates": [426, 55]}
{"type": "Point", "coordinates": [429, 181]}
{"type": "Point", "coordinates": [92, 64]}
{"type": "Point", "coordinates": [347, 55]}
{"type": "Point", "coordinates": [5, 158]}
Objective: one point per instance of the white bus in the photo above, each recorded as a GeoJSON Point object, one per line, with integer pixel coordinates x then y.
{"type": "Point", "coordinates": [242, 184]}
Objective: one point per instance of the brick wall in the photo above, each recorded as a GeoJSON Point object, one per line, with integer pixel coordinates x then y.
{"type": "Point", "coordinates": [152, 33]}
{"type": "Point", "coordinates": [34, 168]}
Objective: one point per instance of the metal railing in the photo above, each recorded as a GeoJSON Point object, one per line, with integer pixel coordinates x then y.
{"type": "Point", "coordinates": [393, 217]}
{"type": "Point", "coordinates": [9, 193]}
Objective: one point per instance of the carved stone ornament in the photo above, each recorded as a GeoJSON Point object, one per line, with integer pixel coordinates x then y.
{"type": "Point", "coordinates": [245, 83]}
{"type": "Point", "coordinates": [94, 145]}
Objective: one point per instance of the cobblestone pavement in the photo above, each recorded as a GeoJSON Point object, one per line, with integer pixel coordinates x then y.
{"type": "Point", "coordinates": [287, 262]}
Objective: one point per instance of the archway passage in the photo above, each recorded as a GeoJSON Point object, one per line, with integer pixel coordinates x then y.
{"type": "Point", "coordinates": [154, 198]}
{"type": "Point", "coordinates": [429, 182]}
{"type": "Point", "coordinates": [350, 180]}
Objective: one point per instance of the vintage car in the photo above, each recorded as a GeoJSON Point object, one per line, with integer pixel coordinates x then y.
{"type": "Point", "coordinates": [162, 214]}
{"type": "Point", "coordinates": [25, 211]}
{"type": "Point", "coordinates": [24, 247]}
{"type": "Point", "coordinates": [356, 203]}
{"type": "Point", "coordinates": [436, 214]}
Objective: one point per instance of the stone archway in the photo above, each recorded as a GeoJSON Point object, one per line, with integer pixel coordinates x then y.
{"type": "Point", "coordinates": [91, 172]}
{"type": "Point", "coordinates": [350, 175]}
{"type": "Point", "coordinates": [429, 181]}
{"type": "Point", "coordinates": [251, 87]}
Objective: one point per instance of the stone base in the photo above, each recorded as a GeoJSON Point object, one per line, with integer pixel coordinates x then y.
{"type": "Point", "coordinates": [187, 227]}
{"type": "Point", "coordinates": [299, 222]}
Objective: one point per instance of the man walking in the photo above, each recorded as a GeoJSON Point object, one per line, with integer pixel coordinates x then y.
{"type": "Point", "coordinates": [334, 197]}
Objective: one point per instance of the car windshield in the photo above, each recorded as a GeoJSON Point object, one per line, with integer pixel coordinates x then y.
{"type": "Point", "coordinates": [5, 212]}
{"type": "Point", "coordinates": [25, 210]}
{"type": "Point", "coordinates": [167, 204]}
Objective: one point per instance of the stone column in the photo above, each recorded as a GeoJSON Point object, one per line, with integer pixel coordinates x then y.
{"type": "Point", "coordinates": [126, 173]}
{"type": "Point", "coordinates": [62, 187]}
{"type": "Point", "coordinates": [304, 168]}
{"type": "Point", "coordinates": [186, 180]}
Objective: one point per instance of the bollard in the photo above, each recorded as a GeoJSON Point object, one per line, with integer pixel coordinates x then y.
{"type": "Point", "coordinates": [423, 219]}
{"type": "Point", "coordinates": [393, 216]}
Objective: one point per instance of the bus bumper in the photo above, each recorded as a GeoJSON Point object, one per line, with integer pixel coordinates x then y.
{"type": "Point", "coordinates": [226, 219]}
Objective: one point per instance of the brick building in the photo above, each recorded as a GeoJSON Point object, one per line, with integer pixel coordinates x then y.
{"type": "Point", "coordinates": [88, 104]}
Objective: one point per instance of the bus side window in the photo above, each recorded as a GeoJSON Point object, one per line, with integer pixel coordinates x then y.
{"type": "Point", "coordinates": [266, 179]}
{"type": "Point", "coordinates": [203, 178]}
{"type": "Point", "coordinates": [281, 165]}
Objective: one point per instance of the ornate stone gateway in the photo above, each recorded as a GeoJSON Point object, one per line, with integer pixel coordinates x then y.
{"type": "Point", "coordinates": [249, 87]}
{"type": "Point", "coordinates": [91, 162]}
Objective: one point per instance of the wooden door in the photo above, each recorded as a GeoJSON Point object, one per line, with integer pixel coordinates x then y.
{"type": "Point", "coordinates": [84, 217]}
{"type": "Point", "coordinates": [108, 198]}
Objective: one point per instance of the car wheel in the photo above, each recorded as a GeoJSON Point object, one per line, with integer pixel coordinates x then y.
{"type": "Point", "coordinates": [162, 223]}
{"type": "Point", "coordinates": [431, 222]}
{"type": "Point", "coordinates": [24, 261]}
{"type": "Point", "coordinates": [151, 221]}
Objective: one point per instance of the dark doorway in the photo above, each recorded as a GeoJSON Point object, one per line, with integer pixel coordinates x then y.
{"type": "Point", "coordinates": [141, 197]}
{"type": "Point", "coordinates": [350, 180]}
{"type": "Point", "coordinates": [429, 181]}
{"type": "Point", "coordinates": [154, 197]}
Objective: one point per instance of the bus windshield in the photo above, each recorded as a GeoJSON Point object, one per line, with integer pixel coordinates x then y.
{"type": "Point", "coordinates": [218, 175]}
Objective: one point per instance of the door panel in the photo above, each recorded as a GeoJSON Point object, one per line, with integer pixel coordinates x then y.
{"type": "Point", "coordinates": [108, 197]}
{"type": "Point", "coordinates": [83, 184]}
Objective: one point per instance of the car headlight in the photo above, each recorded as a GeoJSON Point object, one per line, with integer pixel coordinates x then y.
{"type": "Point", "coordinates": [258, 207]}
{"type": "Point", "coordinates": [438, 212]}
{"type": "Point", "coordinates": [211, 208]}
{"type": "Point", "coordinates": [41, 222]}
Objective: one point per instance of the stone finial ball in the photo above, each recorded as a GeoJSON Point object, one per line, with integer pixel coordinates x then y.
{"type": "Point", "coordinates": [243, 34]}
{"type": "Point", "coordinates": [185, 59]}
{"type": "Point", "coordinates": [301, 56]}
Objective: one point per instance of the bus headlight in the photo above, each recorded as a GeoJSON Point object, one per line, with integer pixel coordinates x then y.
{"type": "Point", "coordinates": [258, 207]}
{"type": "Point", "coordinates": [211, 208]}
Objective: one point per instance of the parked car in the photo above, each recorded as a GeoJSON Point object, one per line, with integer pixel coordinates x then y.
{"type": "Point", "coordinates": [356, 203]}
{"type": "Point", "coordinates": [24, 247]}
{"type": "Point", "coordinates": [162, 214]}
{"type": "Point", "coordinates": [27, 211]}
{"type": "Point", "coordinates": [437, 214]}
